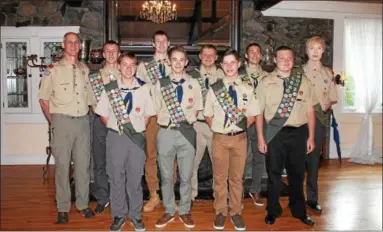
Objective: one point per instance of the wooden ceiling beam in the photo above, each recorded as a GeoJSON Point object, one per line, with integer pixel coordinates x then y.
{"type": "Point", "coordinates": [219, 26]}
{"type": "Point", "coordinates": [264, 4]}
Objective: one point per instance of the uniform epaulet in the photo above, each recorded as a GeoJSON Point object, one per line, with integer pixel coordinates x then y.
{"type": "Point", "coordinates": [246, 79]}
{"type": "Point", "coordinates": [194, 73]}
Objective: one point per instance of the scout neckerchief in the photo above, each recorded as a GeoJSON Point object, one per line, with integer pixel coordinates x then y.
{"type": "Point", "coordinates": [153, 70]}
{"type": "Point", "coordinates": [172, 102]}
{"type": "Point", "coordinates": [233, 114]}
{"type": "Point", "coordinates": [291, 87]}
{"type": "Point", "coordinates": [120, 108]}
{"type": "Point", "coordinates": [97, 84]}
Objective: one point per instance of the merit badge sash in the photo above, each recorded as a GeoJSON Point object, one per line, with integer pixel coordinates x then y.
{"type": "Point", "coordinates": [234, 115]}
{"type": "Point", "coordinates": [153, 71]}
{"type": "Point", "coordinates": [290, 91]}
{"type": "Point", "coordinates": [196, 74]}
{"type": "Point", "coordinates": [97, 84]}
{"type": "Point", "coordinates": [177, 115]}
{"type": "Point", "coordinates": [120, 111]}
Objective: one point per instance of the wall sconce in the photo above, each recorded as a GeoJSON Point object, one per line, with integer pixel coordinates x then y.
{"type": "Point", "coordinates": [33, 59]}
{"type": "Point", "coordinates": [340, 79]}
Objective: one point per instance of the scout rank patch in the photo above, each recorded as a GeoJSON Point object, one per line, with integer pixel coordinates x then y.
{"type": "Point", "coordinates": [289, 96]}
{"type": "Point", "coordinates": [97, 84]}
{"type": "Point", "coordinates": [227, 103]}
{"type": "Point", "coordinates": [169, 95]}
{"type": "Point", "coordinates": [153, 71]}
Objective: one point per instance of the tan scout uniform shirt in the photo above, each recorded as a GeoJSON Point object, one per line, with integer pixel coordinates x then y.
{"type": "Point", "coordinates": [258, 73]}
{"type": "Point", "coordinates": [270, 94]}
{"type": "Point", "coordinates": [191, 101]}
{"type": "Point", "coordinates": [323, 84]}
{"type": "Point", "coordinates": [142, 107]}
{"type": "Point", "coordinates": [143, 74]}
{"type": "Point", "coordinates": [246, 100]}
{"type": "Point", "coordinates": [213, 75]}
{"type": "Point", "coordinates": [105, 74]}
{"type": "Point", "coordinates": [67, 89]}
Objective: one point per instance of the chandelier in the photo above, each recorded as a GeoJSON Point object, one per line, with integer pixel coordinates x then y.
{"type": "Point", "coordinates": [158, 11]}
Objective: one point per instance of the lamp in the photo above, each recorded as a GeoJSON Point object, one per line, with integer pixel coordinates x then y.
{"type": "Point", "coordinates": [158, 11]}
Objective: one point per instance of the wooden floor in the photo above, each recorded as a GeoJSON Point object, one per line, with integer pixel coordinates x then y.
{"type": "Point", "coordinates": [350, 194]}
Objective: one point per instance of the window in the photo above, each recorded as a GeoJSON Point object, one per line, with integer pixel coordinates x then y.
{"type": "Point", "coordinates": [363, 65]}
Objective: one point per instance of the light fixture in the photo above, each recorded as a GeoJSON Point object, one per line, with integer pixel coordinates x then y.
{"type": "Point", "coordinates": [158, 11]}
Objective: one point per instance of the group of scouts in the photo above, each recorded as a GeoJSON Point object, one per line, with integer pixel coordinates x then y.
{"type": "Point", "coordinates": [156, 112]}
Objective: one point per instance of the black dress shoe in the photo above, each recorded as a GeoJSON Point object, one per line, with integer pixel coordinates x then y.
{"type": "Point", "coordinates": [270, 219]}
{"type": "Point", "coordinates": [314, 206]}
{"type": "Point", "coordinates": [87, 213]}
{"type": "Point", "coordinates": [307, 220]}
{"type": "Point", "coordinates": [100, 208]}
{"type": "Point", "coordinates": [62, 218]}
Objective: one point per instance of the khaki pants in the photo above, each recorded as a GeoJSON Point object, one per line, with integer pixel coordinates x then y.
{"type": "Point", "coordinates": [229, 158]}
{"type": "Point", "coordinates": [204, 139]}
{"type": "Point", "coordinates": [151, 155]}
{"type": "Point", "coordinates": [71, 141]}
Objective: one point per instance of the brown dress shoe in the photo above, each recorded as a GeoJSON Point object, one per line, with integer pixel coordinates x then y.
{"type": "Point", "coordinates": [164, 220]}
{"type": "Point", "coordinates": [153, 203]}
{"type": "Point", "coordinates": [187, 220]}
{"type": "Point", "coordinates": [256, 199]}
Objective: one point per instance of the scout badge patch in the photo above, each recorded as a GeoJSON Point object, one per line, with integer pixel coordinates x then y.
{"type": "Point", "coordinates": [290, 93]}
{"type": "Point", "coordinates": [153, 71]}
{"type": "Point", "coordinates": [97, 84]}
{"type": "Point", "coordinates": [233, 114]}
{"type": "Point", "coordinates": [169, 95]}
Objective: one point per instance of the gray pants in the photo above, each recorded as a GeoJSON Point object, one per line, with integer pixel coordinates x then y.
{"type": "Point", "coordinates": [71, 142]}
{"type": "Point", "coordinates": [312, 163]}
{"type": "Point", "coordinates": [171, 145]}
{"type": "Point", "coordinates": [101, 188]}
{"type": "Point", "coordinates": [125, 167]}
{"type": "Point", "coordinates": [204, 139]}
{"type": "Point", "coordinates": [257, 160]}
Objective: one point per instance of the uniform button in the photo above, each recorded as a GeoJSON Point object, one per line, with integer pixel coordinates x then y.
{"type": "Point", "coordinates": [314, 76]}
{"type": "Point", "coordinates": [313, 84]}
{"type": "Point", "coordinates": [64, 88]}
{"type": "Point", "coordinates": [77, 93]}
{"type": "Point", "coordinates": [78, 102]}
{"type": "Point", "coordinates": [75, 85]}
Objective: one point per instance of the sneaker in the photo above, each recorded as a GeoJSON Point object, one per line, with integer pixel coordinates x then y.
{"type": "Point", "coordinates": [238, 222]}
{"type": "Point", "coordinates": [164, 220]}
{"type": "Point", "coordinates": [100, 208]}
{"type": "Point", "coordinates": [219, 222]}
{"type": "Point", "coordinates": [117, 224]}
{"type": "Point", "coordinates": [62, 218]}
{"type": "Point", "coordinates": [87, 213]}
{"type": "Point", "coordinates": [137, 224]}
{"type": "Point", "coordinates": [187, 220]}
{"type": "Point", "coordinates": [256, 199]}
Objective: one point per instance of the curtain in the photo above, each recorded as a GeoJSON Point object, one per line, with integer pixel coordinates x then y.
{"type": "Point", "coordinates": [363, 44]}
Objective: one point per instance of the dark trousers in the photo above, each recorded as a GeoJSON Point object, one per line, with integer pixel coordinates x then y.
{"type": "Point", "coordinates": [287, 149]}
{"type": "Point", "coordinates": [101, 184]}
{"type": "Point", "coordinates": [312, 163]}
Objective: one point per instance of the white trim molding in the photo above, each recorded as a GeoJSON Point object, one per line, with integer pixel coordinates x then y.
{"type": "Point", "coordinates": [14, 159]}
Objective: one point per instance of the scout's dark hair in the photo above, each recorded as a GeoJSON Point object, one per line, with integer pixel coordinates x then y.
{"type": "Point", "coordinates": [178, 48]}
{"type": "Point", "coordinates": [233, 52]}
{"type": "Point", "coordinates": [283, 48]}
{"type": "Point", "coordinates": [160, 32]}
{"type": "Point", "coordinates": [208, 46]}
{"type": "Point", "coordinates": [253, 44]}
{"type": "Point", "coordinates": [112, 42]}
{"type": "Point", "coordinates": [129, 55]}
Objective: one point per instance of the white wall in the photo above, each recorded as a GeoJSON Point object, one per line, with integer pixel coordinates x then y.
{"type": "Point", "coordinates": [349, 123]}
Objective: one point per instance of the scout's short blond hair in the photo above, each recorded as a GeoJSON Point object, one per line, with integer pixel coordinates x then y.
{"type": "Point", "coordinates": [315, 39]}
